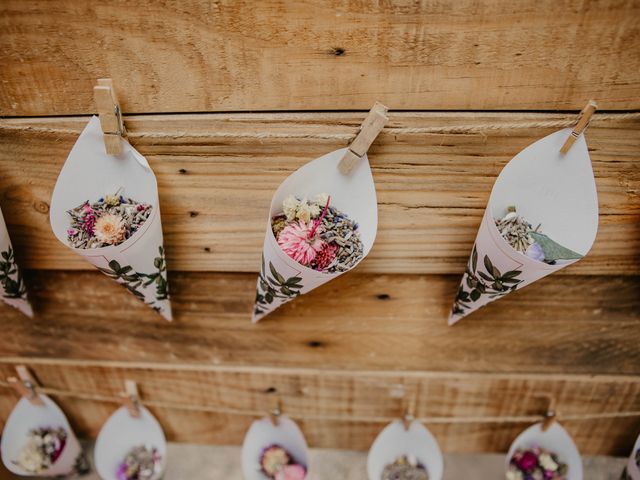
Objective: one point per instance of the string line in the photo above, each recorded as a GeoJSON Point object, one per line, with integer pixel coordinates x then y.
{"type": "Point", "coordinates": [442, 130]}
{"type": "Point", "coordinates": [334, 417]}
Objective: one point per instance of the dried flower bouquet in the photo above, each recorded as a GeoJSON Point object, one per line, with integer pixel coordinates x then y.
{"type": "Point", "coordinates": [141, 463]}
{"type": "Point", "coordinates": [405, 467]}
{"type": "Point", "coordinates": [43, 447]}
{"type": "Point", "coordinates": [536, 463]}
{"type": "Point", "coordinates": [530, 241]}
{"type": "Point", "coordinates": [317, 235]}
{"type": "Point", "coordinates": [110, 220]}
{"type": "Point", "coordinates": [278, 464]}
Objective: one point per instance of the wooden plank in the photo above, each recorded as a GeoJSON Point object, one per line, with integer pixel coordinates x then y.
{"type": "Point", "coordinates": [561, 324]}
{"type": "Point", "coordinates": [339, 409]}
{"type": "Point", "coordinates": [215, 192]}
{"type": "Point", "coordinates": [199, 56]}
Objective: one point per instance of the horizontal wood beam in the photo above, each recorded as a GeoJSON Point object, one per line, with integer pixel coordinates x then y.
{"type": "Point", "coordinates": [561, 324]}
{"type": "Point", "coordinates": [216, 180]}
{"type": "Point", "coordinates": [199, 56]}
{"type": "Point", "coordinates": [338, 409]}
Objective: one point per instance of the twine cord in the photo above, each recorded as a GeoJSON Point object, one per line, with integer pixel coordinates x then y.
{"type": "Point", "coordinates": [502, 419]}
{"type": "Point", "coordinates": [441, 130]}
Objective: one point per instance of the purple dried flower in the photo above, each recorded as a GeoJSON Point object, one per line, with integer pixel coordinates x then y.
{"type": "Point", "coordinates": [535, 252]}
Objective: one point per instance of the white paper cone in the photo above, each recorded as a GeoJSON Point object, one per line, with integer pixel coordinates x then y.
{"type": "Point", "coordinates": [633, 472]}
{"type": "Point", "coordinates": [12, 288]}
{"type": "Point", "coordinates": [88, 174]}
{"type": "Point", "coordinates": [263, 434]}
{"type": "Point", "coordinates": [555, 440]}
{"type": "Point", "coordinates": [123, 432]}
{"type": "Point", "coordinates": [353, 194]}
{"type": "Point", "coordinates": [558, 192]}
{"type": "Point", "coordinates": [25, 417]}
{"type": "Point", "coordinates": [395, 441]}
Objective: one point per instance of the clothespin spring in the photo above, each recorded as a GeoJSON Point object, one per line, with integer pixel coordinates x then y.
{"type": "Point", "coordinates": [581, 125]}
{"type": "Point", "coordinates": [25, 385]}
{"type": "Point", "coordinates": [550, 415]}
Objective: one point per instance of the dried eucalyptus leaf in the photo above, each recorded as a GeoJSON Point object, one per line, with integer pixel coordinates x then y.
{"type": "Point", "coordinates": [553, 250]}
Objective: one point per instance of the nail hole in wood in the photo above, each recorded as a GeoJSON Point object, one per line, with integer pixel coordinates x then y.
{"type": "Point", "coordinates": [207, 249]}
{"type": "Point", "coordinates": [271, 390]}
{"type": "Point", "coordinates": [384, 296]}
{"type": "Point", "coordinates": [338, 51]}
{"type": "Point", "coordinates": [182, 171]}
{"type": "Point", "coordinates": [193, 214]}
{"type": "Point", "coordinates": [314, 344]}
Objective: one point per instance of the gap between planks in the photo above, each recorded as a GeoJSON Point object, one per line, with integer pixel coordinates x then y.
{"type": "Point", "coordinates": [120, 365]}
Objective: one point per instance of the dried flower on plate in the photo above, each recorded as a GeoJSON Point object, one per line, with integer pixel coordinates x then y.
{"type": "Point", "coordinates": [141, 463]}
{"type": "Point", "coordinates": [277, 464]}
{"type": "Point", "coordinates": [109, 221]}
{"type": "Point", "coordinates": [44, 446]}
{"type": "Point", "coordinates": [525, 239]}
{"type": "Point", "coordinates": [405, 467]}
{"type": "Point", "coordinates": [536, 463]}
{"type": "Point", "coordinates": [317, 235]}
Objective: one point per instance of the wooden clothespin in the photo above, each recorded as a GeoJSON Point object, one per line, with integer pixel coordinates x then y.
{"type": "Point", "coordinates": [110, 115]}
{"type": "Point", "coordinates": [131, 398]}
{"type": "Point", "coordinates": [581, 125]}
{"type": "Point", "coordinates": [369, 130]}
{"type": "Point", "coordinates": [409, 412]}
{"type": "Point", "coordinates": [25, 385]}
{"type": "Point", "coordinates": [550, 415]}
{"type": "Point", "coordinates": [275, 413]}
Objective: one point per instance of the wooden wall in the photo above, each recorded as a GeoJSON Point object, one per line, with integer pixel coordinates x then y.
{"type": "Point", "coordinates": [197, 79]}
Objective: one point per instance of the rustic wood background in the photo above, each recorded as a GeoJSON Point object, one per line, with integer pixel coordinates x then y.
{"type": "Point", "coordinates": [360, 346]}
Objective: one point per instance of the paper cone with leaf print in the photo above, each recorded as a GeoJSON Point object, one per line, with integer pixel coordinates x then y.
{"type": "Point", "coordinates": [556, 196]}
{"type": "Point", "coordinates": [120, 434]}
{"type": "Point", "coordinates": [415, 442]}
{"type": "Point", "coordinates": [282, 278]}
{"type": "Point", "coordinates": [263, 434]}
{"type": "Point", "coordinates": [632, 469]}
{"type": "Point", "coordinates": [89, 174]}
{"type": "Point", "coordinates": [27, 417]}
{"type": "Point", "coordinates": [12, 288]}
{"type": "Point", "coordinates": [554, 439]}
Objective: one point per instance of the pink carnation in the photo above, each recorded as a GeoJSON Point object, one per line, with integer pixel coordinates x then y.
{"type": "Point", "coordinates": [301, 242]}
{"type": "Point", "coordinates": [291, 472]}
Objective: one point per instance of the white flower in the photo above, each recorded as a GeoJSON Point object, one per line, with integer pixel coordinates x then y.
{"type": "Point", "coordinates": [547, 462]}
{"type": "Point", "coordinates": [31, 457]}
{"type": "Point", "coordinates": [110, 229]}
{"type": "Point", "coordinates": [315, 209]}
{"type": "Point", "coordinates": [514, 475]}
{"type": "Point", "coordinates": [289, 207]}
{"type": "Point", "coordinates": [321, 198]}
{"type": "Point", "coordinates": [412, 460]}
{"type": "Point", "coordinates": [304, 212]}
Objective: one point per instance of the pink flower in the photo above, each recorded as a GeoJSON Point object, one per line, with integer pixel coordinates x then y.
{"type": "Point", "coordinates": [291, 472]}
{"type": "Point", "coordinates": [72, 232]}
{"type": "Point", "coordinates": [89, 222]}
{"type": "Point", "coordinates": [301, 242]}
{"type": "Point", "coordinates": [325, 256]}
{"type": "Point", "coordinates": [528, 461]}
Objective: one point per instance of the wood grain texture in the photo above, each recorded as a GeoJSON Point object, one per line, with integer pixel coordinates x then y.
{"type": "Point", "coordinates": [566, 324]}
{"type": "Point", "coordinates": [369, 397]}
{"type": "Point", "coordinates": [215, 192]}
{"type": "Point", "coordinates": [196, 55]}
